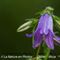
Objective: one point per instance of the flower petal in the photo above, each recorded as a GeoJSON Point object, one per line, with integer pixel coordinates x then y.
{"type": "Point", "coordinates": [43, 24]}
{"type": "Point", "coordinates": [37, 39]}
{"type": "Point", "coordinates": [40, 23]}
{"type": "Point", "coordinates": [29, 35]}
{"type": "Point", "coordinates": [49, 40]}
{"type": "Point", "coordinates": [50, 24]}
{"type": "Point", "coordinates": [57, 39]}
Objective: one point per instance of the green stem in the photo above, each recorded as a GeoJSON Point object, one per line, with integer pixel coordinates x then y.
{"type": "Point", "coordinates": [37, 52]}
{"type": "Point", "coordinates": [47, 54]}
{"type": "Point", "coordinates": [37, 58]}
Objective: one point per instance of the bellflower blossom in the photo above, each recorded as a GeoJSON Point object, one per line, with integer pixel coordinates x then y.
{"type": "Point", "coordinates": [44, 32]}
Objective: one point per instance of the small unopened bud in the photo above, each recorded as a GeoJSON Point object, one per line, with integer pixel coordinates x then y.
{"type": "Point", "coordinates": [24, 26]}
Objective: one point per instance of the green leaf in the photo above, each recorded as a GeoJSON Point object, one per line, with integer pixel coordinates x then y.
{"type": "Point", "coordinates": [30, 23]}
{"type": "Point", "coordinates": [57, 19]}
{"type": "Point", "coordinates": [24, 26]}
{"type": "Point", "coordinates": [56, 22]}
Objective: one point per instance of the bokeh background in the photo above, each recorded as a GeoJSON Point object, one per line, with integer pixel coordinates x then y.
{"type": "Point", "coordinates": [12, 14]}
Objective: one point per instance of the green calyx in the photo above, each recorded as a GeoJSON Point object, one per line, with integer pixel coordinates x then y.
{"type": "Point", "coordinates": [48, 10]}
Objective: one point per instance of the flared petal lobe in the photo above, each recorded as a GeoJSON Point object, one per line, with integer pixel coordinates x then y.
{"type": "Point", "coordinates": [37, 39]}
{"type": "Point", "coordinates": [49, 40]}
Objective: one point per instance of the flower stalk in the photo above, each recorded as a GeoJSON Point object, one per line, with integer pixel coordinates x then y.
{"type": "Point", "coordinates": [37, 54]}
{"type": "Point", "coordinates": [47, 54]}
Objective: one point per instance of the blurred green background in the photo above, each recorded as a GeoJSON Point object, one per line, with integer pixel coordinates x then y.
{"type": "Point", "coordinates": [12, 14]}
